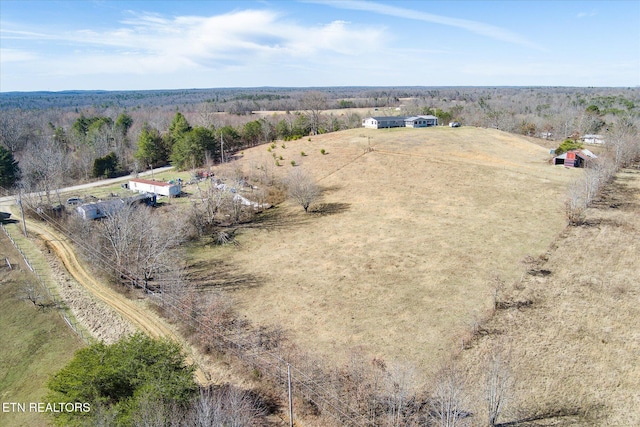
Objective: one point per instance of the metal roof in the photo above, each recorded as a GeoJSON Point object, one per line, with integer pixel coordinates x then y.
{"type": "Point", "coordinates": [150, 182]}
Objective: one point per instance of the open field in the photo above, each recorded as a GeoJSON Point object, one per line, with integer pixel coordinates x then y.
{"type": "Point", "coordinates": [35, 343]}
{"type": "Point", "coordinates": [399, 258]}
{"type": "Point", "coordinates": [574, 351]}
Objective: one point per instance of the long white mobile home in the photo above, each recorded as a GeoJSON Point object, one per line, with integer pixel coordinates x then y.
{"type": "Point", "coordinates": [155, 187]}
{"type": "Point", "coordinates": [399, 122]}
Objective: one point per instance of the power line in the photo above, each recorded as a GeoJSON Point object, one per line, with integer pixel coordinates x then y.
{"type": "Point", "coordinates": [240, 349]}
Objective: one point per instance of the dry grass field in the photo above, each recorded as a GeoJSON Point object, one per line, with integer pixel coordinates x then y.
{"type": "Point", "coordinates": [575, 351]}
{"type": "Point", "coordinates": [399, 258]}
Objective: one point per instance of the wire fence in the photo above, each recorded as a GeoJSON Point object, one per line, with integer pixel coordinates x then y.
{"type": "Point", "coordinates": [50, 289]}
{"type": "Point", "coordinates": [308, 381]}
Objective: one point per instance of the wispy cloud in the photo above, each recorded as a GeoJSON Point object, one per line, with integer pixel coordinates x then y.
{"type": "Point", "coordinates": [16, 55]}
{"type": "Point", "coordinates": [476, 27]}
{"type": "Point", "coordinates": [587, 14]}
{"type": "Point", "coordinates": [232, 39]}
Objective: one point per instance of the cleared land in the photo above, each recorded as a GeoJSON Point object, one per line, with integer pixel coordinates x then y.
{"type": "Point", "coordinates": [574, 351]}
{"type": "Point", "coordinates": [399, 258]}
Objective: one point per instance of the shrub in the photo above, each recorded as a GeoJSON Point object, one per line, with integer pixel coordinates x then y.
{"type": "Point", "coordinates": [293, 162]}
{"type": "Point", "coordinates": [302, 153]}
{"type": "Point", "coordinates": [567, 145]}
{"type": "Point", "coordinates": [323, 151]}
{"type": "Point", "coordinates": [105, 167]}
{"type": "Point", "coordinates": [120, 377]}
{"type": "Point", "coordinates": [283, 146]}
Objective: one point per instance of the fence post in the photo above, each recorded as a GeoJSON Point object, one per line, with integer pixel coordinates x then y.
{"type": "Point", "coordinates": [290, 398]}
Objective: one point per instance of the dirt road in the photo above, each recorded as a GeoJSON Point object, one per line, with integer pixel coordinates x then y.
{"type": "Point", "coordinates": [141, 317]}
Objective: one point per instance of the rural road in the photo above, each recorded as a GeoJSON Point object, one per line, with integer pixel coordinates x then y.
{"type": "Point", "coordinates": [9, 199]}
{"type": "Point", "coordinates": [141, 317]}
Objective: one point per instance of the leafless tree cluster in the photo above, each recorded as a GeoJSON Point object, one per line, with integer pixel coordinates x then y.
{"type": "Point", "coordinates": [143, 243]}
{"type": "Point", "coordinates": [622, 148]}
{"type": "Point", "coordinates": [223, 405]}
{"type": "Point", "coordinates": [135, 246]}
{"type": "Point", "coordinates": [360, 392]}
{"type": "Point", "coordinates": [219, 204]}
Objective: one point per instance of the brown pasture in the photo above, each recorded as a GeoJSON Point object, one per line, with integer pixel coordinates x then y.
{"type": "Point", "coordinates": [573, 352]}
{"type": "Point", "coordinates": [399, 258]}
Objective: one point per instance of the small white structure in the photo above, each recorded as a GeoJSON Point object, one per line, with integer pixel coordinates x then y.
{"type": "Point", "coordinates": [593, 139]}
{"type": "Point", "coordinates": [100, 209]}
{"type": "Point", "coordinates": [155, 187]}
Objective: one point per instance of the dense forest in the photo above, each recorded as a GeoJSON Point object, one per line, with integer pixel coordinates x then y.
{"type": "Point", "coordinates": [51, 139]}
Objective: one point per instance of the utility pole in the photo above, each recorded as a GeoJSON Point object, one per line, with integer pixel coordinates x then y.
{"type": "Point", "coordinates": [290, 399]}
{"type": "Point", "coordinates": [24, 222]}
{"type": "Point", "coordinates": [221, 149]}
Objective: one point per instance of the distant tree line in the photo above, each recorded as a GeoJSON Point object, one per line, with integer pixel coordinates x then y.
{"type": "Point", "coordinates": [88, 135]}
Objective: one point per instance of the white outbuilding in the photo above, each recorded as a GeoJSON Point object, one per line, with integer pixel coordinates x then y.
{"type": "Point", "coordinates": [156, 187]}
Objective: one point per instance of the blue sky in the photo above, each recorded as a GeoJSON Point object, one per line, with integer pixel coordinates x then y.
{"type": "Point", "coordinates": [130, 45]}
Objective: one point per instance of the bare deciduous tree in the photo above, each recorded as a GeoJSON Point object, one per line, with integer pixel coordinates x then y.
{"type": "Point", "coordinates": [497, 386]}
{"type": "Point", "coordinates": [139, 243]}
{"type": "Point", "coordinates": [314, 102]}
{"type": "Point", "coordinates": [302, 188]}
{"type": "Point", "coordinates": [225, 406]}
{"type": "Point", "coordinates": [449, 398]}
{"type": "Point", "coordinates": [399, 388]}
{"type": "Point", "coordinates": [43, 166]}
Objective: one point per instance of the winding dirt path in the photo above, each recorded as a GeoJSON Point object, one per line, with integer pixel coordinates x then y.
{"type": "Point", "coordinates": [141, 317]}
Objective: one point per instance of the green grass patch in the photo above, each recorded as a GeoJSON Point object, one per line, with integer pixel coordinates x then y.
{"type": "Point", "coordinates": [35, 344]}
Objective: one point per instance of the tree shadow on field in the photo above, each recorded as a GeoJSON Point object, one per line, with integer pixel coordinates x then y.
{"type": "Point", "coordinates": [274, 218]}
{"type": "Point", "coordinates": [558, 417]}
{"type": "Point", "coordinates": [617, 195]}
{"type": "Point", "coordinates": [323, 209]}
{"type": "Point", "coordinates": [220, 276]}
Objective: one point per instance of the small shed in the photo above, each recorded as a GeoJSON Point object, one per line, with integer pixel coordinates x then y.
{"type": "Point", "coordinates": [574, 158]}
{"type": "Point", "coordinates": [156, 187]}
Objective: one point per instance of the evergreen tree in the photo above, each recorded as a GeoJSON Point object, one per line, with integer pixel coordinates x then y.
{"type": "Point", "coordinates": [151, 148]}
{"type": "Point", "coordinates": [119, 378]}
{"type": "Point", "coordinates": [9, 170]}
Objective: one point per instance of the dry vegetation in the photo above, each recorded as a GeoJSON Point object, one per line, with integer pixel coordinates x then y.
{"type": "Point", "coordinates": [398, 258]}
{"type": "Point", "coordinates": [574, 350]}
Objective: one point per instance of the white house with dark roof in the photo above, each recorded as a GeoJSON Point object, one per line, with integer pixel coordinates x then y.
{"type": "Point", "coordinates": [381, 122]}
{"type": "Point", "coordinates": [421, 121]}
